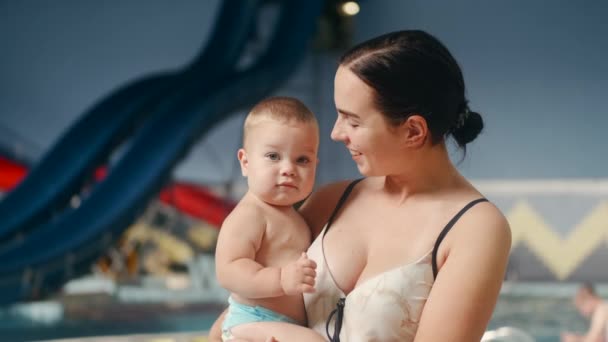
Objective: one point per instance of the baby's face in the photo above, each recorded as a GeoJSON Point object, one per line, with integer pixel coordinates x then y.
{"type": "Point", "coordinates": [279, 160]}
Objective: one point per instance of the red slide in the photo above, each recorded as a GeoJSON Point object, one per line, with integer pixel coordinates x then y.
{"type": "Point", "coordinates": [11, 173]}
{"type": "Point", "coordinates": [191, 199]}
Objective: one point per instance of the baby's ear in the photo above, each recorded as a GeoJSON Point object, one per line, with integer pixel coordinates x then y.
{"type": "Point", "coordinates": [242, 157]}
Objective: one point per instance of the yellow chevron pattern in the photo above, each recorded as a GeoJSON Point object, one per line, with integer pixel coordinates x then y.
{"type": "Point", "coordinates": [561, 256]}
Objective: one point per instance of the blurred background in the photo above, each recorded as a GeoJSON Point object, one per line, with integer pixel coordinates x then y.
{"type": "Point", "coordinates": [120, 121]}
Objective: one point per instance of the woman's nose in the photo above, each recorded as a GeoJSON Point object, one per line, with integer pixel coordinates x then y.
{"type": "Point", "coordinates": [337, 134]}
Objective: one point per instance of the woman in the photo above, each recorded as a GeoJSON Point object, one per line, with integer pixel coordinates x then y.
{"type": "Point", "coordinates": [413, 252]}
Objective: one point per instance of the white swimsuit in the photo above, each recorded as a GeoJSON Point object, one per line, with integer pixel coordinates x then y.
{"type": "Point", "coordinates": [386, 307]}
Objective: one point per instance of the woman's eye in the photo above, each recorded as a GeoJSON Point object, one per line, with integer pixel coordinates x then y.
{"type": "Point", "coordinates": [272, 156]}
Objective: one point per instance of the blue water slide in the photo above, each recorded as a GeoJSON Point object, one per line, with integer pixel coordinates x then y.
{"type": "Point", "coordinates": [66, 246]}
{"type": "Point", "coordinates": [89, 142]}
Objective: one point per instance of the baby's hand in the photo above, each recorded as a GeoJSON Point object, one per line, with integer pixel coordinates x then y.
{"type": "Point", "coordinates": [299, 276]}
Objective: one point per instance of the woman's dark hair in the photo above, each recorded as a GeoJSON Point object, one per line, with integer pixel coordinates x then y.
{"type": "Point", "coordinates": [412, 72]}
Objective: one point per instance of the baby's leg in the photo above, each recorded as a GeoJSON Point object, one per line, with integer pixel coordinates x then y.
{"type": "Point", "coordinates": [282, 332]}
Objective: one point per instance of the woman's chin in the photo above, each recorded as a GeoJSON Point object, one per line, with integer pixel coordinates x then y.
{"type": "Point", "coordinates": [364, 171]}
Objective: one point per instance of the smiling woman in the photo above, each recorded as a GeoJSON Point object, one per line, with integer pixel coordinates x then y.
{"type": "Point", "coordinates": [413, 244]}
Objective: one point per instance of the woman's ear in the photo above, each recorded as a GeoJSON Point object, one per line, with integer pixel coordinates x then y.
{"type": "Point", "coordinates": [242, 157]}
{"type": "Point", "coordinates": [415, 131]}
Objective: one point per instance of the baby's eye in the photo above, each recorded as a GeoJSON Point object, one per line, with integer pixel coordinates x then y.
{"type": "Point", "coordinates": [272, 156]}
{"type": "Point", "coordinates": [303, 160]}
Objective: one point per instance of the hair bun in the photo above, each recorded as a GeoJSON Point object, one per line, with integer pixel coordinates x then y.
{"type": "Point", "coordinates": [470, 128]}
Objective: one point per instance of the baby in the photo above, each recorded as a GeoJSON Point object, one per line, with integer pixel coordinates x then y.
{"type": "Point", "coordinates": [260, 255]}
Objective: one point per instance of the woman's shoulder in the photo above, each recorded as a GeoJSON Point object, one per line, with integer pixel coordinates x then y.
{"type": "Point", "coordinates": [320, 204]}
{"type": "Point", "coordinates": [485, 222]}
{"type": "Point", "coordinates": [327, 194]}
{"type": "Point", "coordinates": [334, 189]}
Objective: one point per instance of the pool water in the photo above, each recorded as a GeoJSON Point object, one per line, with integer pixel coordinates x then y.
{"type": "Point", "coordinates": [15, 329]}
{"type": "Point", "coordinates": [541, 316]}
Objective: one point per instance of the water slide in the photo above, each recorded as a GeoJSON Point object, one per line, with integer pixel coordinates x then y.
{"type": "Point", "coordinates": [68, 165]}
{"type": "Point", "coordinates": [41, 249]}
{"type": "Point", "coordinates": [192, 199]}
{"type": "Point", "coordinates": [11, 172]}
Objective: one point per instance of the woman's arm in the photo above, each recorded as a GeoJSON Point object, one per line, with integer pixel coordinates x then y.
{"type": "Point", "coordinates": [320, 204]}
{"type": "Point", "coordinates": [472, 261]}
{"type": "Point", "coordinates": [215, 333]}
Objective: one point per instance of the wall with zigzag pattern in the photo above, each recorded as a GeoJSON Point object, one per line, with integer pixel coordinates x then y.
{"type": "Point", "coordinates": [559, 228]}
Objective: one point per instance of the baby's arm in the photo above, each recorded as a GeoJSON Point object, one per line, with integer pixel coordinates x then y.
{"type": "Point", "coordinates": [240, 238]}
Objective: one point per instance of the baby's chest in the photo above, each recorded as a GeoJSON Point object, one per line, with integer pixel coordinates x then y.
{"type": "Point", "coordinates": [286, 237]}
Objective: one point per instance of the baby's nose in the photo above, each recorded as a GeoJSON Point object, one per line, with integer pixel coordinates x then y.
{"type": "Point", "coordinates": [288, 169]}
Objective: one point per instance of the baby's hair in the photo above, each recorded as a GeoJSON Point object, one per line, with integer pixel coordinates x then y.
{"type": "Point", "coordinates": [281, 108]}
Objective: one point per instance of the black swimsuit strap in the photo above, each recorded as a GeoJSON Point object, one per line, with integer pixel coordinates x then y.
{"type": "Point", "coordinates": [447, 228]}
{"type": "Point", "coordinates": [341, 202]}
{"type": "Point", "coordinates": [338, 312]}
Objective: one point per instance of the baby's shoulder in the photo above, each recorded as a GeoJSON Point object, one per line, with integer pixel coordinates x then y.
{"type": "Point", "coordinates": [246, 212]}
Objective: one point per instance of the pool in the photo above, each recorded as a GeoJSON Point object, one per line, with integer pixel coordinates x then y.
{"type": "Point", "coordinates": [540, 309]}
{"type": "Point", "coordinates": [47, 320]}
{"type": "Point", "coordinates": [27, 331]}
{"type": "Point", "coordinates": [541, 317]}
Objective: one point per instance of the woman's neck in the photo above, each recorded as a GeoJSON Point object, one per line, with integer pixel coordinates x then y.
{"type": "Point", "coordinates": [430, 171]}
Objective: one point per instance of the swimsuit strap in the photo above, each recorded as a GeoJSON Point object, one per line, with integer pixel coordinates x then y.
{"type": "Point", "coordinates": [341, 201]}
{"type": "Point", "coordinates": [447, 228]}
{"type": "Point", "coordinates": [338, 312]}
